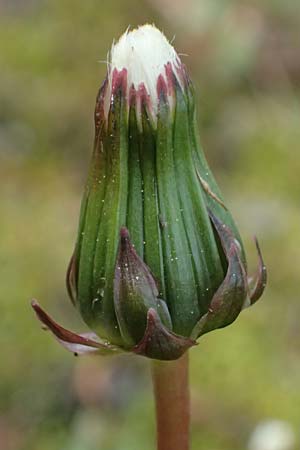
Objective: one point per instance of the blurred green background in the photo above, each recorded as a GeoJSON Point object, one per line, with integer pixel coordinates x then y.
{"type": "Point", "coordinates": [245, 63]}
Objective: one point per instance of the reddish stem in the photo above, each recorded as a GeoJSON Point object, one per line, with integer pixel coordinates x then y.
{"type": "Point", "coordinates": [172, 400]}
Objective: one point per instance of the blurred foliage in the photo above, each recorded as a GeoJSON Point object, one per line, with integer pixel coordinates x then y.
{"type": "Point", "coordinates": [244, 60]}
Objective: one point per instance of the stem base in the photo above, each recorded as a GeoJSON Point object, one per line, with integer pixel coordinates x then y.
{"type": "Point", "coordinates": [172, 401]}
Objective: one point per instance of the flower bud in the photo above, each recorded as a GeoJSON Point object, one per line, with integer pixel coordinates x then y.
{"type": "Point", "coordinates": [158, 259]}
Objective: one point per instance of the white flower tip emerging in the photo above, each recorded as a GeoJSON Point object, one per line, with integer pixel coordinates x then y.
{"type": "Point", "coordinates": [144, 52]}
{"type": "Point", "coordinates": [147, 57]}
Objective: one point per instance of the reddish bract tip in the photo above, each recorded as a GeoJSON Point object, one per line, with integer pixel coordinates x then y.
{"type": "Point", "coordinates": [170, 78]}
{"type": "Point", "coordinates": [161, 88]}
{"type": "Point", "coordinates": [99, 115]}
{"type": "Point", "coordinates": [119, 82]}
{"type": "Point", "coordinates": [144, 96]}
{"type": "Point", "coordinates": [145, 102]}
{"type": "Point", "coordinates": [99, 108]}
{"type": "Point", "coordinates": [132, 96]}
{"type": "Point", "coordinates": [182, 75]}
{"type": "Point", "coordinates": [124, 233]}
{"type": "Point", "coordinates": [159, 342]}
{"type": "Point", "coordinates": [259, 281]}
{"type": "Point", "coordinates": [34, 304]}
{"type": "Point", "coordinates": [75, 343]}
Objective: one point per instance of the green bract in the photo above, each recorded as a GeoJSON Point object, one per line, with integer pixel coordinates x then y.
{"type": "Point", "coordinates": [158, 260]}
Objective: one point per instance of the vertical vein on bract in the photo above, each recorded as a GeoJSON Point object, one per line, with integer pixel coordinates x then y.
{"type": "Point", "coordinates": [114, 214]}
{"type": "Point", "coordinates": [95, 186]}
{"type": "Point", "coordinates": [135, 203]}
{"type": "Point", "coordinates": [152, 244]}
{"type": "Point", "coordinates": [205, 172]}
{"type": "Point", "coordinates": [75, 258]}
{"type": "Point", "coordinates": [179, 278]}
{"type": "Point", "coordinates": [207, 268]}
{"type": "Point", "coordinates": [88, 230]}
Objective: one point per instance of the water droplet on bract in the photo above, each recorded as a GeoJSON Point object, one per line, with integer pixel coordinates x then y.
{"type": "Point", "coordinates": [95, 300]}
{"type": "Point", "coordinates": [237, 243]}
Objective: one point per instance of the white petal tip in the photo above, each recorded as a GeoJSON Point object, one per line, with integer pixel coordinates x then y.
{"type": "Point", "coordinates": [145, 53]}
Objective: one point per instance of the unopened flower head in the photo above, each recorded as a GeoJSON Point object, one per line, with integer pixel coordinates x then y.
{"type": "Point", "coordinates": [146, 65]}
{"type": "Point", "coordinates": [158, 260]}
